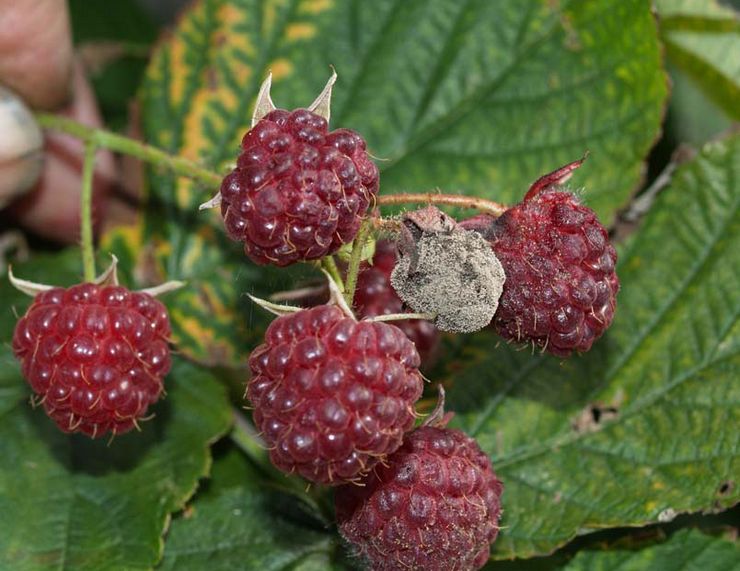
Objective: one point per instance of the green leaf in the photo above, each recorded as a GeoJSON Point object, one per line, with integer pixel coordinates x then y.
{"type": "Point", "coordinates": [703, 39]}
{"type": "Point", "coordinates": [68, 502]}
{"type": "Point", "coordinates": [243, 521]}
{"type": "Point", "coordinates": [645, 550]}
{"type": "Point", "coordinates": [73, 503]}
{"type": "Point", "coordinates": [692, 117]}
{"type": "Point", "coordinates": [477, 97]}
{"type": "Point", "coordinates": [667, 367]}
{"type": "Point", "coordinates": [686, 549]}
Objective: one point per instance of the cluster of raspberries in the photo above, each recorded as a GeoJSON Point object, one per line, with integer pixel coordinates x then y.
{"type": "Point", "coordinates": [334, 397]}
{"type": "Point", "coordinates": [334, 400]}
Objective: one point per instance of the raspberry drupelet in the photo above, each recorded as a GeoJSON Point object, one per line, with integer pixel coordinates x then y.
{"type": "Point", "coordinates": [96, 356]}
{"type": "Point", "coordinates": [332, 396]}
{"type": "Point", "coordinates": [298, 192]}
{"type": "Point", "coordinates": [433, 505]}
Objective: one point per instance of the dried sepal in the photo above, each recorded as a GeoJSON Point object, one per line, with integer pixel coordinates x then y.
{"type": "Point", "coordinates": [264, 104]}
{"type": "Point", "coordinates": [108, 278]}
{"type": "Point", "coordinates": [555, 178]}
{"type": "Point", "coordinates": [110, 275]}
{"type": "Point", "coordinates": [274, 308]}
{"type": "Point", "coordinates": [322, 104]}
{"type": "Point", "coordinates": [212, 203]}
{"type": "Point", "coordinates": [166, 287]}
{"type": "Point", "coordinates": [25, 286]}
{"type": "Point", "coordinates": [438, 417]}
{"type": "Point", "coordinates": [336, 297]}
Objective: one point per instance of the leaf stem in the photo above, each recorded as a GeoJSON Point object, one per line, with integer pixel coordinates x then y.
{"type": "Point", "coordinates": [353, 269]}
{"type": "Point", "coordinates": [474, 202]}
{"type": "Point", "coordinates": [128, 146]}
{"type": "Point", "coordinates": [86, 226]}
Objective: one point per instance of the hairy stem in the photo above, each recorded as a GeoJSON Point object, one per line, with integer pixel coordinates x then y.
{"type": "Point", "coordinates": [350, 282]}
{"type": "Point", "coordinates": [125, 145]}
{"type": "Point", "coordinates": [187, 168]}
{"type": "Point", "coordinates": [330, 265]}
{"type": "Point", "coordinates": [86, 225]}
{"type": "Point", "coordinates": [462, 201]}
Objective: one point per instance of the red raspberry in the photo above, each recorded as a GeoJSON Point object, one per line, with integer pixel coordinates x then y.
{"type": "Point", "coordinates": [96, 355]}
{"type": "Point", "coordinates": [375, 296]}
{"type": "Point", "coordinates": [298, 192]}
{"type": "Point", "coordinates": [561, 287]}
{"type": "Point", "coordinates": [332, 396]}
{"type": "Point", "coordinates": [433, 505]}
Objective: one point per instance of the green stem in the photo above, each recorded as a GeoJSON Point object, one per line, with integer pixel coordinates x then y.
{"type": "Point", "coordinates": [353, 269]}
{"type": "Point", "coordinates": [187, 168]}
{"type": "Point", "coordinates": [86, 225]}
{"type": "Point", "coordinates": [330, 265]}
{"type": "Point", "coordinates": [121, 144]}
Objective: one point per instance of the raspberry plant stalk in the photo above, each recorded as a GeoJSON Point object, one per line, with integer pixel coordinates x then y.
{"type": "Point", "coordinates": [101, 138]}
{"type": "Point", "coordinates": [128, 146]}
{"type": "Point", "coordinates": [184, 167]}
{"type": "Point", "coordinates": [86, 225]}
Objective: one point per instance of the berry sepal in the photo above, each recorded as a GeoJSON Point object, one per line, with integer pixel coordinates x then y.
{"type": "Point", "coordinates": [558, 177]}
{"type": "Point", "coordinates": [336, 297]}
{"type": "Point", "coordinates": [108, 278]}
{"type": "Point", "coordinates": [264, 106]}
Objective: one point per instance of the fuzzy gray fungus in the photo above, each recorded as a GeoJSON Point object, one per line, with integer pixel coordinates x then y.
{"type": "Point", "coordinates": [452, 274]}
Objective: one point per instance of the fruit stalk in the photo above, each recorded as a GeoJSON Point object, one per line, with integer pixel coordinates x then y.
{"type": "Point", "coordinates": [481, 204]}
{"type": "Point", "coordinates": [125, 145]}
{"type": "Point", "coordinates": [330, 265]}
{"type": "Point", "coordinates": [86, 232]}
{"type": "Point", "coordinates": [353, 269]}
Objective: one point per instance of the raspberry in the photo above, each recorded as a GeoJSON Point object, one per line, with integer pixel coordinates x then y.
{"type": "Point", "coordinates": [561, 287]}
{"type": "Point", "coordinates": [298, 192]}
{"type": "Point", "coordinates": [95, 355]}
{"type": "Point", "coordinates": [332, 396]}
{"type": "Point", "coordinates": [433, 505]}
{"type": "Point", "coordinates": [374, 296]}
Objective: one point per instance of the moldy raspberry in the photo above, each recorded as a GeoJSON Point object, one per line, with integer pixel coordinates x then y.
{"type": "Point", "coordinates": [95, 355]}
{"type": "Point", "coordinates": [298, 191]}
{"type": "Point", "coordinates": [375, 296]}
{"type": "Point", "coordinates": [332, 396]}
{"type": "Point", "coordinates": [433, 505]}
{"type": "Point", "coordinates": [561, 286]}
